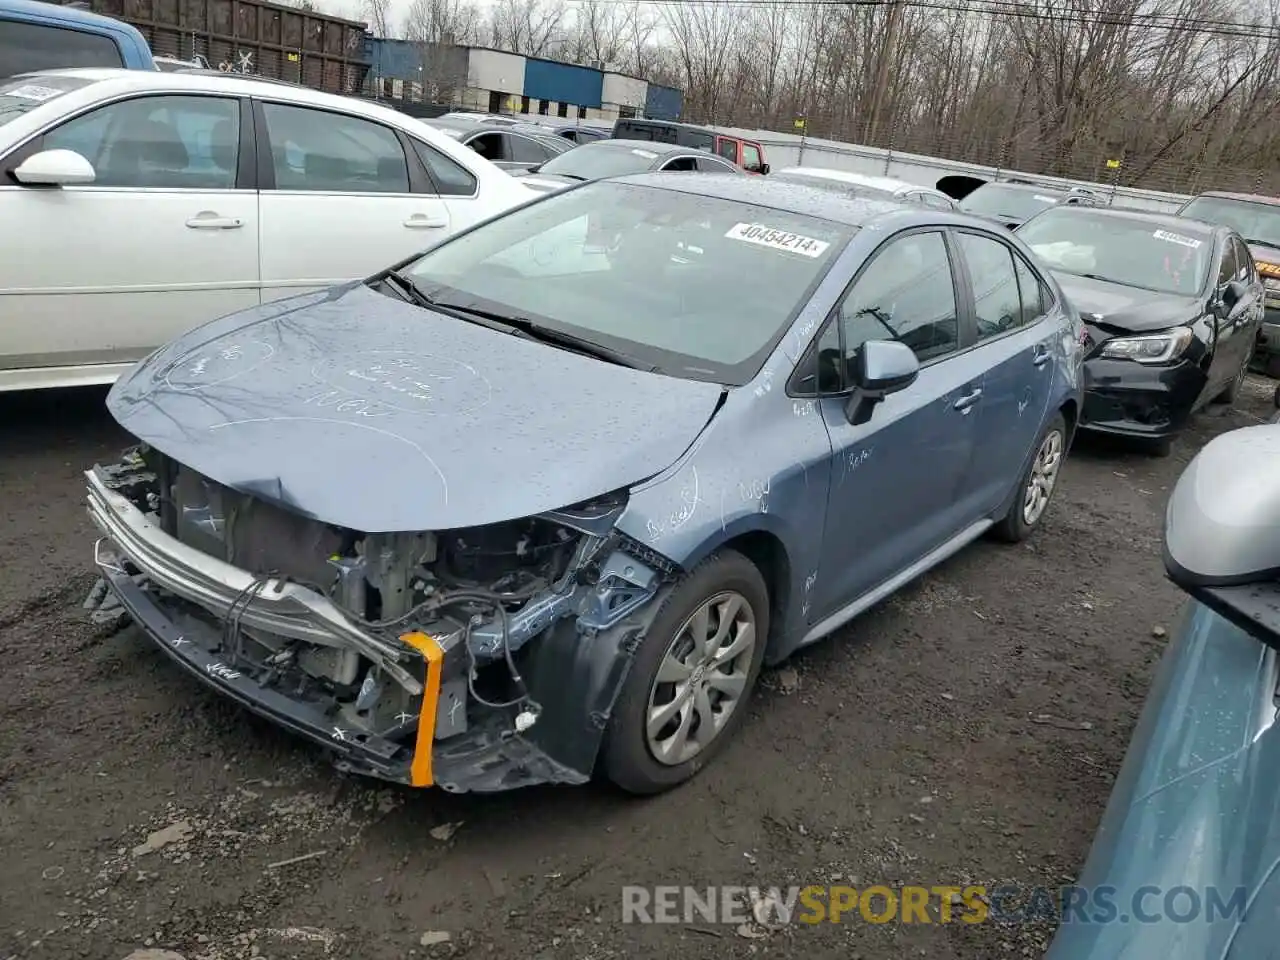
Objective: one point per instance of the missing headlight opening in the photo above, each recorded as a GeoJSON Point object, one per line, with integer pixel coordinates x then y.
{"type": "Point", "coordinates": [384, 644]}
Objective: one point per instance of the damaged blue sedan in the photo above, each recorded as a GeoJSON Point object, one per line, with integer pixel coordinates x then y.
{"type": "Point", "coordinates": [539, 503]}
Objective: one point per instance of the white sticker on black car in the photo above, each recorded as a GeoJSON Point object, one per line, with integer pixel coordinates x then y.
{"type": "Point", "coordinates": [1177, 238]}
{"type": "Point", "coordinates": [777, 239]}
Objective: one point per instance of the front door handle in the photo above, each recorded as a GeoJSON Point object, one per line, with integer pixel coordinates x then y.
{"type": "Point", "coordinates": [965, 403]}
{"type": "Point", "coordinates": [209, 220]}
{"type": "Point", "coordinates": [1041, 355]}
{"type": "Point", "coordinates": [420, 221]}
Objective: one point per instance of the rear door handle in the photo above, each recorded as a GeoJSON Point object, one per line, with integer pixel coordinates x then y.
{"type": "Point", "coordinates": [420, 221]}
{"type": "Point", "coordinates": [1041, 355]}
{"type": "Point", "coordinates": [208, 220]}
{"type": "Point", "coordinates": [965, 403]}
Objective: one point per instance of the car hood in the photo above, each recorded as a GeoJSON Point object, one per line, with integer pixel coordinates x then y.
{"type": "Point", "coordinates": [366, 412]}
{"type": "Point", "coordinates": [1196, 806]}
{"type": "Point", "coordinates": [1120, 307]}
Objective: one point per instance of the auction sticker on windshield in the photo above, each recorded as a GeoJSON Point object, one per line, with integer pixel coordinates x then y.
{"type": "Point", "coordinates": [777, 239]}
{"type": "Point", "coordinates": [1177, 238]}
{"type": "Point", "coordinates": [33, 91]}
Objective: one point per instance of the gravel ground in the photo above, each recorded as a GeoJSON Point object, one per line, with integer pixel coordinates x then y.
{"type": "Point", "coordinates": [966, 731]}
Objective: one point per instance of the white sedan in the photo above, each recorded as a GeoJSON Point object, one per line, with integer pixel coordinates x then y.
{"type": "Point", "coordinates": [861, 184]}
{"type": "Point", "coordinates": [139, 204]}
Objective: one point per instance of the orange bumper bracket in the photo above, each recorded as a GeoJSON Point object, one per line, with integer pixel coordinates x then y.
{"type": "Point", "coordinates": [420, 768]}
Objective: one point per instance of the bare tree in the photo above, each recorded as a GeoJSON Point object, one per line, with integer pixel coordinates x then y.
{"type": "Point", "coordinates": [535, 28]}
{"type": "Point", "coordinates": [454, 22]}
{"type": "Point", "coordinates": [377, 15]}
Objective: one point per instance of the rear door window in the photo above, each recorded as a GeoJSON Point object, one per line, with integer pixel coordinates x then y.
{"type": "Point", "coordinates": [996, 300]}
{"type": "Point", "coordinates": [25, 47]}
{"type": "Point", "coordinates": [525, 150]}
{"type": "Point", "coordinates": [710, 164]}
{"type": "Point", "coordinates": [333, 152]}
{"type": "Point", "coordinates": [728, 149]}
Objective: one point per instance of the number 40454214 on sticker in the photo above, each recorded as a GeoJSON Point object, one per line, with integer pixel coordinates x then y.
{"type": "Point", "coordinates": [777, 239]}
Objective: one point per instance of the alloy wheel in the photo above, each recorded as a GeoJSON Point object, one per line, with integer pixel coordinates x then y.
{"type": "Point", "coordinates": [701, 678]}
{"type": "Point", "coordinates": [1044, 475]}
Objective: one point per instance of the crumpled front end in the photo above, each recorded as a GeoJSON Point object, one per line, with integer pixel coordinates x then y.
{"type": "Point", "coordinates": [478, 659]}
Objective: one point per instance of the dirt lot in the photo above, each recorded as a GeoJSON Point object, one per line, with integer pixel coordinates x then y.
{"type": "Point", "coordinates": [965, 732]}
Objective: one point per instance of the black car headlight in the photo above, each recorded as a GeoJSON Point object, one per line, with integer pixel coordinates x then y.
{"type": "Point", "coordinates": [1149, 348]}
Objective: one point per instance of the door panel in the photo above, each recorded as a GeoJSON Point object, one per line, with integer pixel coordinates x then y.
{"type": "Point", "coordinates": [342, 207]}
{"type": "Point", "coordinates": [161, 242]}
{"type": "Point", "coordinates": [1237, 334]}
{"type": "Point", "coordinates": [1015, 350]}
{"type": "Point", "coordinates": [895, 478]}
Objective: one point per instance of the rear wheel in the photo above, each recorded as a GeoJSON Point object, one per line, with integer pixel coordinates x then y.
{"type": "Point", "coordinates": [1037, 486]}
{"type": "Point", "coordinates": [693, 674]}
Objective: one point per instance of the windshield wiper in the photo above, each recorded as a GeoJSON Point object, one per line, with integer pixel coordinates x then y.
{"type": "Point", "coordinates": [408, 289]}
{"type": "Point", "coordinates": [1273, 244]}
{"type": "Point", "coordinates": [523, 326]}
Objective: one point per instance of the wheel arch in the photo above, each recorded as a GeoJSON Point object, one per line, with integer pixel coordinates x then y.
{"type": "Point", "coordinates": [758, 538]}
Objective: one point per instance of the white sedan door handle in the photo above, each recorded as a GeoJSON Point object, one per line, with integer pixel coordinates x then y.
{"type": "Point", "coordinates": [422, 221]}
{"type": "Point", "coordinates": [209, 220]}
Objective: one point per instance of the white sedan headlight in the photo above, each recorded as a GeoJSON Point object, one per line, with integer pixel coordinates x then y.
{"type": "Point", "coordinates": [1151, 348]}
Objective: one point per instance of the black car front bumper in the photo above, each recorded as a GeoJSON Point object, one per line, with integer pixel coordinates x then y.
{"type": "Point", "coordinates": [1140, 400]}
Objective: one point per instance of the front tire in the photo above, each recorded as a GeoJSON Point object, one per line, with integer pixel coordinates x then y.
{"type": "Point", "coordinates": [1037, 485]}
{"type": "Point", "coordinates": [694, 671]}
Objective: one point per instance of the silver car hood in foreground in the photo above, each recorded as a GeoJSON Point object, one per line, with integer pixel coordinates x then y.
{"type": "Point", "coordinates": [366, 412]}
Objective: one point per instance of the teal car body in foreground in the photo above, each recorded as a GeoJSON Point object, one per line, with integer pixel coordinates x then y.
{"type": "Point", "coordinates": [1196, 809]}
{"type": "Point", "coordinates": [1186, 862]}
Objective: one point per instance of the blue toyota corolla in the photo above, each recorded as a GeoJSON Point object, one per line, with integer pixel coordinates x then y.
{"type": "Point", "coordinates": [541, 501]}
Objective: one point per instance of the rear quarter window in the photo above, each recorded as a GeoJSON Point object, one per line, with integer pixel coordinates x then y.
{"type": "Point", "coordinates": [25, 47]}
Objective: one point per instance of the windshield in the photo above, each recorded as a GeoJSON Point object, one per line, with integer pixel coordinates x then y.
{"type": "Point", "coordinates": [993, 200]}
{"type": "Point", "coordinates": [1256, 222]}
{"type": "Point", "coordinates": [21, 94]}
{"type": "Point", "coordinates": [595, 161]}
{"type": "Point", "coordinates": [1137, 253]}
{"type": "Point", "coordinates": [695, 286]}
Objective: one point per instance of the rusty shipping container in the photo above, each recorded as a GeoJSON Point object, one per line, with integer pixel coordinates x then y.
{"type": "Point", "coordinates": [252, 37]}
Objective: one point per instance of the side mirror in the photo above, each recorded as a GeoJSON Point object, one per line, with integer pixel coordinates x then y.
{"type": "Point", "coordinates": [1233, 293]}
{"type": "Point", "coordinates": [1219, 543]}
{"type": "Point", "coordinates": [882, 367]}
{"type": "Point", "coordinates": [764, 169]}
{"type": "Point", "coordinates": [54, 168]}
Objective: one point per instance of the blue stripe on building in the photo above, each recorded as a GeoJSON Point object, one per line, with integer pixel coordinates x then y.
{"type": "Point", "coordinates": [563, 83]}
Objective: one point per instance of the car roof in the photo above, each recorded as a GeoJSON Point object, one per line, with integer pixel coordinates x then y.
{"type": "Point", "coordinates": [652, 146]}
{"type": "Point", "coordinates": [218, 82]}
{"type": "Point", "coordinates": [1245, 197]}
{"type": "Point", "coordinates": [856, 179]}
{"type": "Point", "coordinates": [67, 14]}
{"type": "Point", "coordinates": [796, 198]}
{"type": "Point", "coordinates": [1028, 187]}
{"type": "Point", "coordinates": [214, 81]}
{"type": "Point", "coordinates": [1168, 221]}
